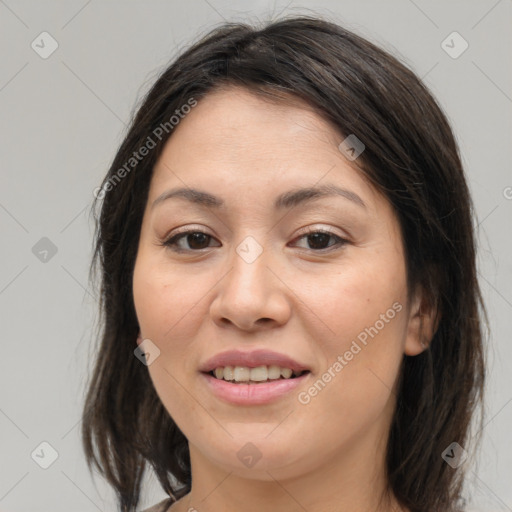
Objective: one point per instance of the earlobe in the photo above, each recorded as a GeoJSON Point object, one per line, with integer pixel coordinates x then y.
{"type": "Point", "coordinates": [422, 324]}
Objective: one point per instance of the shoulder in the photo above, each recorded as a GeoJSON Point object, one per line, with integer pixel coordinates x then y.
{"type": "Point", "coordinates": [162, 506]}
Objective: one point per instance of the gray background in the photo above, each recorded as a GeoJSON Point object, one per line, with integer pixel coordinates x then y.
{"type": "Point", "coordinates": [62, 120]}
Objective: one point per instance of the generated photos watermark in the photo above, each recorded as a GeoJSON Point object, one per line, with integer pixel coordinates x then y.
{"type": "Point", "coordinates": [151, 141]}
{"type": "Point", "coordinates": [304, 397]}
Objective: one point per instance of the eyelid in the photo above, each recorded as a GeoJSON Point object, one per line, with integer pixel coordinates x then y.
{"type": "Point", "coordinates": [172, 240]}
{"type": "Point", "coordinates": [341, 240]}
{"type": "Point", "coordinates": [315, 228]}
{"type": "Point", "coordinates": [187, 228]}
{"type": "Point", "coordinates": [183, 232]}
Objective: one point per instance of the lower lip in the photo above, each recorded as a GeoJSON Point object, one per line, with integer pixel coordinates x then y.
{"type": "Point", "coordinates": [252, 394]}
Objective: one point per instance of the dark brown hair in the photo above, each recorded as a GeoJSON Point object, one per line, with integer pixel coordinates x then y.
{"type": "Point", "coordinates": [410, 156]}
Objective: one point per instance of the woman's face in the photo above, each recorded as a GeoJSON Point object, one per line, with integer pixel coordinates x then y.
{"type": "Point", "coordinates": [276, 271]}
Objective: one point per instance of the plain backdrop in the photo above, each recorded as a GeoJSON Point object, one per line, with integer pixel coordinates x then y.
{"type": "Point", "coordinates": [62, 119]}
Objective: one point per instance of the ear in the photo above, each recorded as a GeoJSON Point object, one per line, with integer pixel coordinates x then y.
{"type": "Point", "coordinates": [139, 339]}
{"type": "Point", "coordinates": [422, 323]}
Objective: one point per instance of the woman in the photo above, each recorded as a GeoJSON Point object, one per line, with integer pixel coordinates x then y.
{"type": "Point", "coordinates": [289, 294]}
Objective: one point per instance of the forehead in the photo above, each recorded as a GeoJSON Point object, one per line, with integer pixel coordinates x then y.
{"type": "Point", "coordinates": [235, 133]}
{"type": "Point", "coordinates": [236, 114]}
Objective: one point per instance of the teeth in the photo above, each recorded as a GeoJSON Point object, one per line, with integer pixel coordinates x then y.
{"type": "Point", "coordinates": [257, 374]}
{"type": "Point", "coordinates": [286, 373]}
{"type": "Point", "coordinates": [242, 374]}
{"type": "Point", "coordinates": [274, 372]}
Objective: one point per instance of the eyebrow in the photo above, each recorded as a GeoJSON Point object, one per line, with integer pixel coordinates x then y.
{"type": "Point", "coordinates": [286, 200]}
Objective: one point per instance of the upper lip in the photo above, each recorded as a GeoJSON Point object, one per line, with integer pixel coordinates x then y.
{"type": "Point", "coordinates": [250, 359]}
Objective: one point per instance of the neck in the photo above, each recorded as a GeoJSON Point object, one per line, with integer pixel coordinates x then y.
{"type": "Point", "coordinates": [352, 479]}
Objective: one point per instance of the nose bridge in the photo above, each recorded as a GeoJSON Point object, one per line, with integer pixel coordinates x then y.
{"type": "Point", "coordinates": [249, 280]}
{"type": "Point", "coordinates": [250, 291]}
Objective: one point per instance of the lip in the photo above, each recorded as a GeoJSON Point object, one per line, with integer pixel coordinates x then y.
{"type": "Point", "coordinates": [252, 394]}
{"type": "Point", "coordinates": [251, 359]}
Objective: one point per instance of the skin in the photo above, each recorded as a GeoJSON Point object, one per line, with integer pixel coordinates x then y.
{"type": "Point", "coordinates": [294, 298]}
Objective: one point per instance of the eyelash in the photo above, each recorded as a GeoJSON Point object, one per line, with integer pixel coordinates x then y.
{"type": "Point", "coordinates": [171, 242]}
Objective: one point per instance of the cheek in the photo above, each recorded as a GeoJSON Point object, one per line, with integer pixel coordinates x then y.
{"type": "Point", "coordinates": [365, 313]}
{"type": "Point", "coordinates": [355, 298]}
{"type": "Point", "coordinates": [167, 309]}
{"type": "Point", "coordinates": [166, 302]}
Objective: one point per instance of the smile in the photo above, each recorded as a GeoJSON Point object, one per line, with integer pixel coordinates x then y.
{"type": "Point", "coordinates": [255, 375]}
{"type": "Point", "coordinates": [250, 392]}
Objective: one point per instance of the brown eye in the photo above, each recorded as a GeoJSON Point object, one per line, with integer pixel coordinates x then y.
{"type": "Point", "coordinates": [197, 240]}
{"type": "Point", "coordinates": [189, 241]}
{"type": "Point", "coordinates": [320, 240]}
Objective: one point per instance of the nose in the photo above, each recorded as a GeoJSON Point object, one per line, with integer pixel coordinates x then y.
{"type": "Point", "coordinates": [250, 296]}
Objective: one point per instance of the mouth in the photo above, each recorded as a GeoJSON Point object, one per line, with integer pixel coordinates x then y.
{"type": "Point", "coordinates": [238, 386]}
{"type": "Point", "coordinates": [255, 375]}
